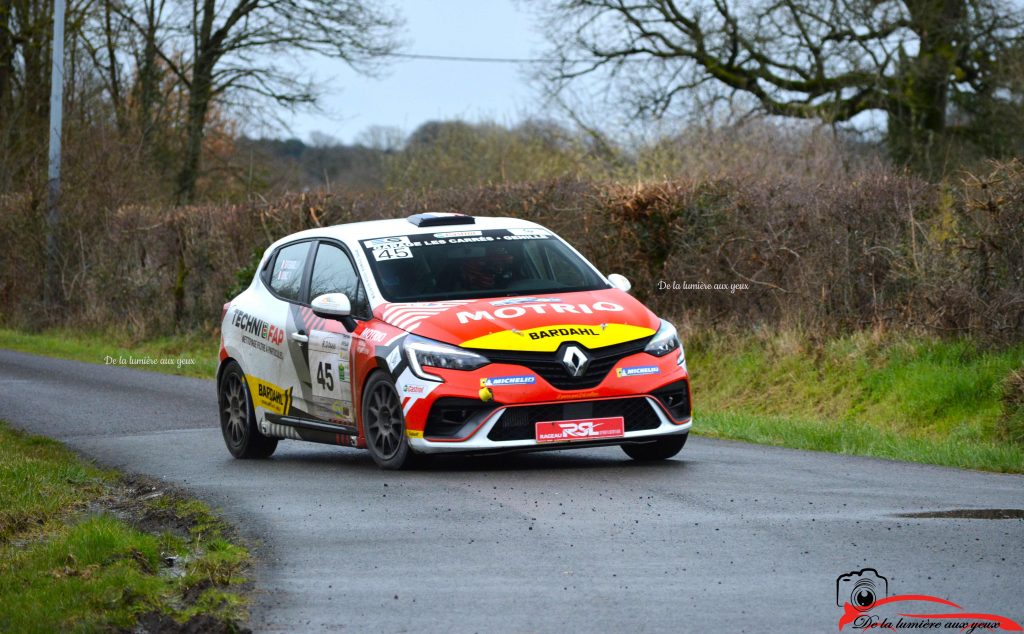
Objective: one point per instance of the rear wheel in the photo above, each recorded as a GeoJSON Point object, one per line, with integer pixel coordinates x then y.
{"type": "Point", "coordinates": [384, 424]}
{"type": "Point", "coordinates": [660, 449]}
{"type": "Point", "coordinates": [238, 419]}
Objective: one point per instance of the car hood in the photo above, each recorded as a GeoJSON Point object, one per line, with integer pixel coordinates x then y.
{"type": "Point", "coordinates": [537, 323]}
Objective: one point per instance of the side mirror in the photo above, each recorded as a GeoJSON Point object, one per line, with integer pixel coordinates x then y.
{"type": "Point", "coordinates": [620, 282]}
{"type": "Point", "coordinates": [334, 306]}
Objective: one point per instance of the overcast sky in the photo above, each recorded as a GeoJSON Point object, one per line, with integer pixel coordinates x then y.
{"type": "Point", "coordinates": [411, 92]}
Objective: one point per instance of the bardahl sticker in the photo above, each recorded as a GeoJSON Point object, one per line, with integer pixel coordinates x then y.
{"type": "Point", "coordinates": [269, 396]}
{"type": "Point", "coordinates": [549, 338]}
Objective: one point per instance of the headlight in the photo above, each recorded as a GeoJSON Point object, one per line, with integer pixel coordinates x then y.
{"type": "Point", "coordinates": [664, 341]}
{"type": "Point", "coordinates": [422, 352]}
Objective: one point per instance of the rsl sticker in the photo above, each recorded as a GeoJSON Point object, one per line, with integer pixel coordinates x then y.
{"type": "Point", "coordinates": [521, 379]}
{"type": "Point", "coordinates": [637, 370]}
{"type": "Point", "coordinates": [269, 396]}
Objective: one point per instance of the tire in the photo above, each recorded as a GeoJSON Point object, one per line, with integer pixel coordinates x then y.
{"type": "Point", "coordinates": [384, 425]}
{"type": "Point", "coordinates": [237, 418]}
{"type": "Point", "coordinates": [660, 449]}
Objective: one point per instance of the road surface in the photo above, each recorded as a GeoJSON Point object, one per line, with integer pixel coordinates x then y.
{"type": "Point", "coordinates": [727, 537]}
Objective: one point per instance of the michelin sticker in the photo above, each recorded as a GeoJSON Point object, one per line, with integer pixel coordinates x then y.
{"type": "Point", "coordinates": [495, 381]}
{"type": "Point", "coordinates": [638, 370]}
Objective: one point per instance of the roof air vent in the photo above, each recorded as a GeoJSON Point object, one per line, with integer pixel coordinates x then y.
{"type": "Point", "coordinates": [441, 220]}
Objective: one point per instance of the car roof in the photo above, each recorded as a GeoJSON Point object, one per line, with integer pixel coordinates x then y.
{"type": "Point", "coordinates": [351, 233]}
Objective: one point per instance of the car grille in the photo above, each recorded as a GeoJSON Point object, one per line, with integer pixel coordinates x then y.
{"type": "Point", "coordinates": [549, 364]}
{"type": "Point", "coordinates": [517, 423]}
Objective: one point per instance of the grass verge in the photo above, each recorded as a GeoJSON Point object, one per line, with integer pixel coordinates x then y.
{"type": "Point", "coordinates": [875, 394]}
{"type": "Point", "coordinates": [186, 355]}
{"type": "Point", "coordinates": [887, 395]}
{"type": "Point", "coordinates": [84, 549]}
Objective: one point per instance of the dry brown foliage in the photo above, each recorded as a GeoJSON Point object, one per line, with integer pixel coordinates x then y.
{"type": "Point", "coordinates": [879, 249]}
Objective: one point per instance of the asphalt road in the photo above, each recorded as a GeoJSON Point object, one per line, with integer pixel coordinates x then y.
{"type": "Point", "coordinates": [727, 537]}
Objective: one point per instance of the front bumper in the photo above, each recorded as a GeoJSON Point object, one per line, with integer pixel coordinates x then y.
{"type": "Point", "coordinates": [491, 434]}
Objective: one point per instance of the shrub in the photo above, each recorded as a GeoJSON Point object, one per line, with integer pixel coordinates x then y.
{"type": "Point", "coordinates": [876, 249]}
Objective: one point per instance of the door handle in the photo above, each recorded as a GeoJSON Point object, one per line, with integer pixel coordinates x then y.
{"type": "Point", "coordinates": [301, 338]}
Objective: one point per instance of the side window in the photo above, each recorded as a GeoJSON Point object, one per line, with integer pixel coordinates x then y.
{"type": "Point", "coordinates": [333, 273]}
{"type": "Point", "coordinates": [286, 276]}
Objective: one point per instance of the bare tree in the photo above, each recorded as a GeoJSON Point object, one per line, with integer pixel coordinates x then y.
{"type": "Point", "coordinates": [236, 47]}
{"type": "Point", "coordinates": [814, 59]}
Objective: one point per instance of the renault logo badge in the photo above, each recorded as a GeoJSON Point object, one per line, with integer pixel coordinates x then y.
{"type": "Point", "coordinates": [575, 361]}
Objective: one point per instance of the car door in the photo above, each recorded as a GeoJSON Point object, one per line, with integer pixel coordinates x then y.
{"type": "Point", "coordinates": [325, 369]}
{"type": "Point", "coordinates": [262, 320]}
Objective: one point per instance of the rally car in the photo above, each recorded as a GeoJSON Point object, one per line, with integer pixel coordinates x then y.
{"type": "Point", "coordinates": [443, 333]}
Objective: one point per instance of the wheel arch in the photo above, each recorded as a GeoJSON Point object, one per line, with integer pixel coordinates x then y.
{"type": "Point", "coordinates": [371, 371]}
{"type": "Point", "coordinates": [225, 362]}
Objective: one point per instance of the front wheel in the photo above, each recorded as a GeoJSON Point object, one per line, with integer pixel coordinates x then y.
{"type": "Point", "coordinates": [660, 449]}
{"type": "Point", "coordinates": [237, 418]}
{"type": "Point", "coordinates": [384, 425]}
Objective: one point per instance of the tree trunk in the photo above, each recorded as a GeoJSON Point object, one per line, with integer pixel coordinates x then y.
{"type": "Point", "coordinates": [114, 76]}
{"type": "Point", "coordinates": [917, 111]}
{"type": "Point", "coordinates": [198, 106]}
{"type": "Point", "coordinates": [6, 59]}
{"type": "Point", "coordinates": [199, 95]}
{"type": "Point", "coordinates": [149, 77]}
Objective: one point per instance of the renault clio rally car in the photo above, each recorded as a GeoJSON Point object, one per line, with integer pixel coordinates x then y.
{"type": "Point", "coordinates": [445, 333]}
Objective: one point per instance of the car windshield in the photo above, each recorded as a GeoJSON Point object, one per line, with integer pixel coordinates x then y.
{"type": "Point", "coordinates": [472, 264]}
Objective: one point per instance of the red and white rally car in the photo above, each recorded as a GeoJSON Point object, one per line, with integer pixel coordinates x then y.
{"type": "Point", "coordinates": [446, 333]}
